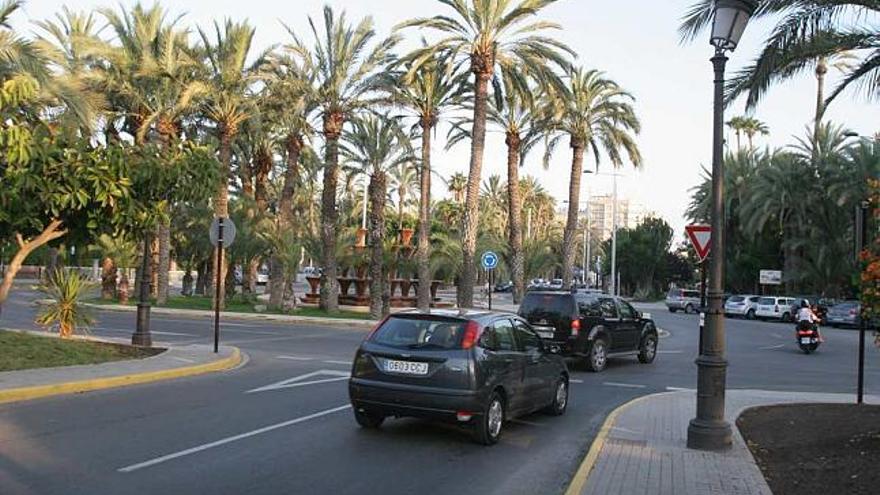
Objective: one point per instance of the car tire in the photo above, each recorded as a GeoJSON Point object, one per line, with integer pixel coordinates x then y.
{"type": "Point", "coordinates": [786, 318]}
{"type": "Point", "coordinates": [597, 358]}
{"type": "Point", "coordinates": [750, 315]}
{"type": "Point", "coordinates": [689, 309]}
{"type": "Point", "coordinates": [560, 398]}
{"type": "Point", "coordinates": [489, 425]}
{"type": "Point", "coordinates": [673, 310]}
{"type": "Point", "coordinates": [368, 419]}
{"type": "Point", "coordinates": [648, 349]}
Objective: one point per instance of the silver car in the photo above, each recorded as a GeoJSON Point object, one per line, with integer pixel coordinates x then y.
{"type": "Point", "coordinates": [683, 300]}
{"type": "Point", "coordinates": [743, 306]}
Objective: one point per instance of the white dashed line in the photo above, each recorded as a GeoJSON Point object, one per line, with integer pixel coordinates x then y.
{"type": "Point", "coordinates": [623, 385]}
{"type": "Point", "coordinates": [330, 361]}
{"type": "Point", "coordinates": [295, 358]}
{"type": "Point", "coordinates": [575, 380]}
{"type": "Point", "coordinates": [771, 347]}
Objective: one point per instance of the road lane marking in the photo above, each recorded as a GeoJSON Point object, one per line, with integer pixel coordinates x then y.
{"type": "Point", "coordinates": [154, 332]}
{"type": "Point", "coordinates": [771, 347]}
{"type": "Point", "coordinates": [669, 352]}
{"type": "Point", "coordinates": [185, 360]}
{"type": "Point", "coordinates": [623, 385]}
{"type": "Point", "coordinates": [295, 358]}
{"type": "Point", "coordinates": [330, 361]}
{"type": "Point", "coordinates": [575, 380]}
{"type": "Point", "coordinates": [234, 438]}
{"type": "Point", "coordinates": [300, 381]}
{"type": "Point", "coordinates": [679, 389]}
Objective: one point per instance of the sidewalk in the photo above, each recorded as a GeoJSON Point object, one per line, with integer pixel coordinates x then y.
{"type": "Point", "coordinates": [641, 448]}
{"type": "Point", "coordinates": [175, 362]}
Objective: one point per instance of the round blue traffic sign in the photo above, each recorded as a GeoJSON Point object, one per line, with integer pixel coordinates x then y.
{"type": "Point", "coordinates": [489, 260]}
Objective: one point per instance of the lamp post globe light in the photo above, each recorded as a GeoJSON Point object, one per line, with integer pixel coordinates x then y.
{"type": "Point", "coordinates": [709, 430]}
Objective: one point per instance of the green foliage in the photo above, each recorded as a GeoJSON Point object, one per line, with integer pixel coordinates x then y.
{"type": "Point", "coordinates": [642, 255]}
{"type": "Point", "coordinates": [66, 289]}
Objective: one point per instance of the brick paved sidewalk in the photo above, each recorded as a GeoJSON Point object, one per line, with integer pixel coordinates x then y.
{"type": "Point", "coordinates": [645, 448]}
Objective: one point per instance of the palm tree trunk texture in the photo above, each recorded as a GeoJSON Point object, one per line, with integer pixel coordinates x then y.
{"type": "Point", "coordinates": [571, 223]}
{"type": "Point", "coordinates": [261, 179]}
{"type": "Point", "coordinates": [108, 278]}
{"type": "Point", "coordinates": [164, 239]}
{"type": "Point", "coordinates": [277, 280]}
{"type": "Point", "coordinates": [514, 220]}
{"type": "Point", "coordinates": [424, 247]}
{"type": "Point", "coordinates": [377, 254]}
{"type": "Point", "coordinates": [154, 265]}
{"type": "Point", "coordinates": [221, 209]}
{"type": "Point", "coordinates": [329, 285]}
{"type": "Point", "coordinates": [821, 70]}
{"type": "Point", "coordinates": [471, 211]}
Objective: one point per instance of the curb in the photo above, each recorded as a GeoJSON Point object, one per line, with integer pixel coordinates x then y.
{"type": "Point", "coordinates": [39, 391]}
{"type": "Point", "coordinates": [576, 486]}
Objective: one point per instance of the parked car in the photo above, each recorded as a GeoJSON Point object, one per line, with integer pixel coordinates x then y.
{"type": "Point", "coordinates": [504, 287]}
{"type": "Point", "coordinates": [555, 284]}
{"type": "Point", "coordinates": [743, 306]}
{"type": "Point", "coordinates": [775, 308]}
{"type": "Point", "coordinates": [844, 314]}
{"type": "Point", "coordinates": [474, 368]}
{"type": "Point", "coordinates": [592, 327]}
{"type": "Point", "coordinates": [683, 300]}
{"type": "Point", "coordinates": [263, 276]}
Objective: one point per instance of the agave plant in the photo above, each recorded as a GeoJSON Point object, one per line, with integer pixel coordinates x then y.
{"type": "Point", "coordinates": [66, 311]}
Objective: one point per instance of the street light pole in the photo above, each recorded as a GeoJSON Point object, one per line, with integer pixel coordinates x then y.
{"type": "Point", "coordinates": [141, 336]}
{"type": "Point", "coordinates": [709, 430]}
{"type": "Point", "coordinates": [615, 290]}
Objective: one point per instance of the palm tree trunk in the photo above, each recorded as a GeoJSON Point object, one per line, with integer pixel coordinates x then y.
{"type": "Point", "coordinates": [471, 218]}
{"type": "Point", "coordinates": [571, 223]}
{"type": "Point", "coordinates": [261, 179]}
{"type": "Point", "coordinates": [108, 279]}
{"type": "Point", "coordinates": [221, 210]}
{"type": "Point", "coordinates": [377, 254]}
{"type": "Point", "coordinates": [514, 217]}
{"type": "Point", "coordinates": [164, 240]}
{"type": "Point", "coordinates": [329, 284]}
{"type": "Point", "coordinates": [277, 279]}
{"type": "Point", "coordinates": [821, 70]}
{"type": "Point", "coordinates": [738, 140]}
{"type": "Point", "coordinates": [424, 247]}
{"type": "Point", "coordinates": [154, 266]}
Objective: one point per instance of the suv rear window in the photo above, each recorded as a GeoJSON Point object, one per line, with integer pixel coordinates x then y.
{"type": "Point", "coordinates": [547, 306]}
{"type": "Point", "coordinates": [673, 293]}
{"type": "Point", "coordinates": [416, 333]}
{"type": "Point", "coordinates": [767, 301]}
{"type": "Point", "coordinates": [690, 294]}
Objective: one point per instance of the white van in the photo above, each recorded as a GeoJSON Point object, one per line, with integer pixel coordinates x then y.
{"type": "Point", "coordinates": [775, 308]}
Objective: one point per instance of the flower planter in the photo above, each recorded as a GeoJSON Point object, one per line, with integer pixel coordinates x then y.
{"type": "Point", "coordinates": [405, 284]}
{"type": "Point", "coordinates": [344, 284]}
{"type": "Point", "coordinates": [406, 236]}
{"type": "Point", "coordinates": [361, 239]}
{"type": "Point", "coordinates": [314, 283]}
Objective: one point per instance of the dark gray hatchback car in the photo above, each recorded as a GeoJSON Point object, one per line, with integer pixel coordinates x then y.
{"type": "Point", "coordinates": [473, 368]}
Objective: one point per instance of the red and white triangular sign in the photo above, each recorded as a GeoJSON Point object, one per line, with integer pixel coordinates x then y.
{"type": "Point", "coordinates": [701, 238]}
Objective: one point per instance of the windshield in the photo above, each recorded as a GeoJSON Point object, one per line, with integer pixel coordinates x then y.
{"type": "Point", "coordinates": [547, 306]}
{"type": "Point", "coordinates": [767, 301]}
{"type": "Point", "coordinates": [417, 333]}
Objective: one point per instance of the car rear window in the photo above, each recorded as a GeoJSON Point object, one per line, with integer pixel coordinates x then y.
{"type": "Point", "coordinates": [767, 301]}
{"type": "Point", "coordinates": [547, 306]}
{"type": "Point", "coordinates": [673, 293]}
{"type": "Point", "coordinates": [737, 299]}
{"type": "Point", "coordinates": [417, 333]}
{"type": "Point", "coordinates": [690, 293]}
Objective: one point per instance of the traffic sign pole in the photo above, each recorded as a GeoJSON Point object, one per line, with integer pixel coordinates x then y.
{"type": "Point", "coordinates": [217, 286]}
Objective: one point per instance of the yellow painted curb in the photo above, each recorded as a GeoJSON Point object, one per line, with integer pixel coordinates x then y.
{"type": "Point", "coordinates": [580, 477]}
{"type": "Point", "coordinates": [28, 393]}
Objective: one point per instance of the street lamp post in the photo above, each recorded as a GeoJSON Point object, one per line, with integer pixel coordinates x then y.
{"type": "Point", "coordinates": [615, 290]}
{"type": "Point", "coordinates": [709, 430]}
{"type": "Point", "coordinates": [141, 335]}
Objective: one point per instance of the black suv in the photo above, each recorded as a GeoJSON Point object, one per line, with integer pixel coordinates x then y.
{"type": "Point", "coordinates": [590, 326]}
{"type": "Point", "coordinates": [474, 368]}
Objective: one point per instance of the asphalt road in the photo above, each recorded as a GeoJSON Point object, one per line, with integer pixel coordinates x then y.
{"type": "Point", "coordinates": [280, 423]}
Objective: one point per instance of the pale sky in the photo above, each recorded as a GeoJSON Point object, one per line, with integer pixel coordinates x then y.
{"type": "Point", "coordinates": [634, 41]}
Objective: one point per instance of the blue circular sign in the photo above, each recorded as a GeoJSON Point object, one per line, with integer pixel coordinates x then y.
{"type": "Point", "coordinates": [489, 260]}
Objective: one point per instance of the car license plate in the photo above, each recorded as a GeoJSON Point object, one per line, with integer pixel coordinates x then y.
{"type": "Point", "coordinates": [806, 340]}
{"type": "Point", "coordinates": [406, 367]}
{"type": "Point", "coordinates": [545, 332]}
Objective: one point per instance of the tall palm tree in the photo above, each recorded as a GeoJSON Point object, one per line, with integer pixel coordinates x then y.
{"type": "Point", "coordinates": [404, 178]}
{"type": "Point", "coordinates": [376, 144]}
{"type": "Point", "coordinates": [348, 73]}
{"type": "Point", "coordinates": [596, 115]}
{"type": "Point", "coordinates": [752, 126]}
{"type": "Point", "coordinates": [457, 185]}
{"type": "Point", "coordinates": [227, 103]}
{"type": "Point", "coordinates": [806, 33]}
{"type": "Point", "coordinates": [426, 93]}
{"type": "Point", "coordinates": [737, 125]}
{"type": "Point", "coordinates": [485, 36]}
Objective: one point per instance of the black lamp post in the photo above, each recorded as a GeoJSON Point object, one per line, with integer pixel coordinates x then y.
{"type": "Point", "coordinates": [709, 430]}
{"type": "Point", "coordinates": [142, 336]}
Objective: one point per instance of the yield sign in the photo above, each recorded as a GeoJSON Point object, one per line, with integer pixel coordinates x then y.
{"type": "Point", "coordinates": [701, 238]}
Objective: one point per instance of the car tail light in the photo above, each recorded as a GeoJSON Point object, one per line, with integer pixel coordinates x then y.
{"type": "Point", "coordinates": [852, 312]}
{"type": "Point", "coordinates": [575, 327]}
{"type": "Point", "coordinates": [377, 327]}
{"type": "Point", "coordinates": [471, 333]}
{"type": "Point", "coordinates": [464, 416]}
{"type": "Point", "coordinates": [775, 309]}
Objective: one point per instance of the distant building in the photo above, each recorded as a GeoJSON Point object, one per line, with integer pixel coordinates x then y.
{"type": "Point", "coordinates": [629, 215]}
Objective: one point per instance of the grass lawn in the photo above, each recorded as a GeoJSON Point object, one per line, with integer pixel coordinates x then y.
{"type": "Point", "coordinates": [19, 351]}
{"type": "Point", "coordinates": [238, 306]}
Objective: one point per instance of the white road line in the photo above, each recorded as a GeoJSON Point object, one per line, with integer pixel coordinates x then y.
{"type": "Point", "coordinates": [575, 380]}
{"type": "Point", "coordinates": [295, 358]}
{"type": "Point", "coordinates": [224, 441]}
{"type": "Point", "coordinates": [679, 389]}
{"type": "Point", "coordinates": [330, 361]}
{"type": "Point", "coordinates": [624, 385]}
{"type": "Point", "coordinates": [299, 381]}
{"type": "Point", "coordinates": [154, 332]}
{"type": "Point", "coordinates": [669, 352]}
{"type": "Point", "coordinates": [771, 347]}
{"type": "Point", "coordinates": [185, 360]}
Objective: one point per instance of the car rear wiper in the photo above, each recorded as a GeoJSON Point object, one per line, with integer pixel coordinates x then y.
{"type": "Point", "coordinates": [424, 345]}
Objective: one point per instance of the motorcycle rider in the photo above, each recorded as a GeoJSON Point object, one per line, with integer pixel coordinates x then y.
{"type": "Point", "coordinates": [806, 316]}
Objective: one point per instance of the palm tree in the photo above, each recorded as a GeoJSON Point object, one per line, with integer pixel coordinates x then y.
{"type": "Point", "coordinates": [376, 144]}
{"type": "Point", "coordinates": [227, 103]}
{"type": "Point", "coordinates": [738, 125]}
{"type": "Point", "coordinates": [404, 178]}
{"type": "Point", "coordinates": [806, 32]}
{"type": "Point", "coordinates": [426, 93]}
{"type": "Point", "coordinates": [485, 36]}
{"type": "Point", "coordinates": [752, 126]}
{"type": "Point", "coordinates": [596, 115]}
{"type": "Point", "coordinates": [347, 74]}
{"type": "Point", "coordinates": [457, 185]}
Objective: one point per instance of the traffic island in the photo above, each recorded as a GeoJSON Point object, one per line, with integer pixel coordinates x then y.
{"type": "Point", "coordinates": [815, 449]}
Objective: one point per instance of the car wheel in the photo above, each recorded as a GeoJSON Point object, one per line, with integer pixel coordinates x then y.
{"type": "Point", "coordinates": [598, 356]}
{"type": "Point", "coordinates": [367, 419]}
{"type": "Point", "coordinates": [648, 349]}
{"type": "Point", "coordinates": [750, 315]}
{"type": "Point", "coordinates": [786, 317]}
{"type": "Point", "coordinates": [689, 309]}
{"type": "Point", "coordinates": [672, 310]}
{"type": "Point", "coordinates": [560, 398]}
{"type": "Point", "coordinates": [489, 425]}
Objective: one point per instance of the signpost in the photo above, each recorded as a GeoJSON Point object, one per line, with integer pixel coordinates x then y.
{"type": "Point", "coordinates": [861, 224]}
{"type": "Point", "coordinates": [222, 234]}
{"type": "Point", "coordinates": [770, 277]}
{"type": "Point", "coordinates": [489, 261]}
{"type": "Point", "coordinates": [701, 238]}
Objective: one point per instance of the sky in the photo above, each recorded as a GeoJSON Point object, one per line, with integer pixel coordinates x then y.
{"type": "Point", "coordinates": [635, 42]}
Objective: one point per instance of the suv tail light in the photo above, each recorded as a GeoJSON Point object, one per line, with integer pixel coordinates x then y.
{"type": "Point", "coordinates": [776, 308]}
{"type": "Point", "coordinates": [852, 312]}
{"type": "Point", "coordinates": [575, 327]}
{"type": "Point", "coordinates": [471, 333]}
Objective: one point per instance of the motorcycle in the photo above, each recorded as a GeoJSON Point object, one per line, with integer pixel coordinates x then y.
{"type": "Point", "coordinates": [807, 336]}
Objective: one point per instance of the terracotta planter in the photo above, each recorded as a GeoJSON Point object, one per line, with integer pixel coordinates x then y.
{"type": "Point", "coordinates": [434, 286]}
{"type": "Point", "coordinates": [314, 283]}
{"type": "Point", "coordinates": [395, 283]}
{"type": "Point", "coordinates": [361, 239]}
{"type": "Point", "coordinates": [361, 272]}
{"type": "Point", "coordinates": [405, 284]}
{"type": "Point", "coordinates": [122, 290]}
{"type": "Point", "coordinates": [406, 236]}
{"type": "Point", "coordinates": [344, 284]}
{"type": "Point", "coordinates": [360, 287]}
